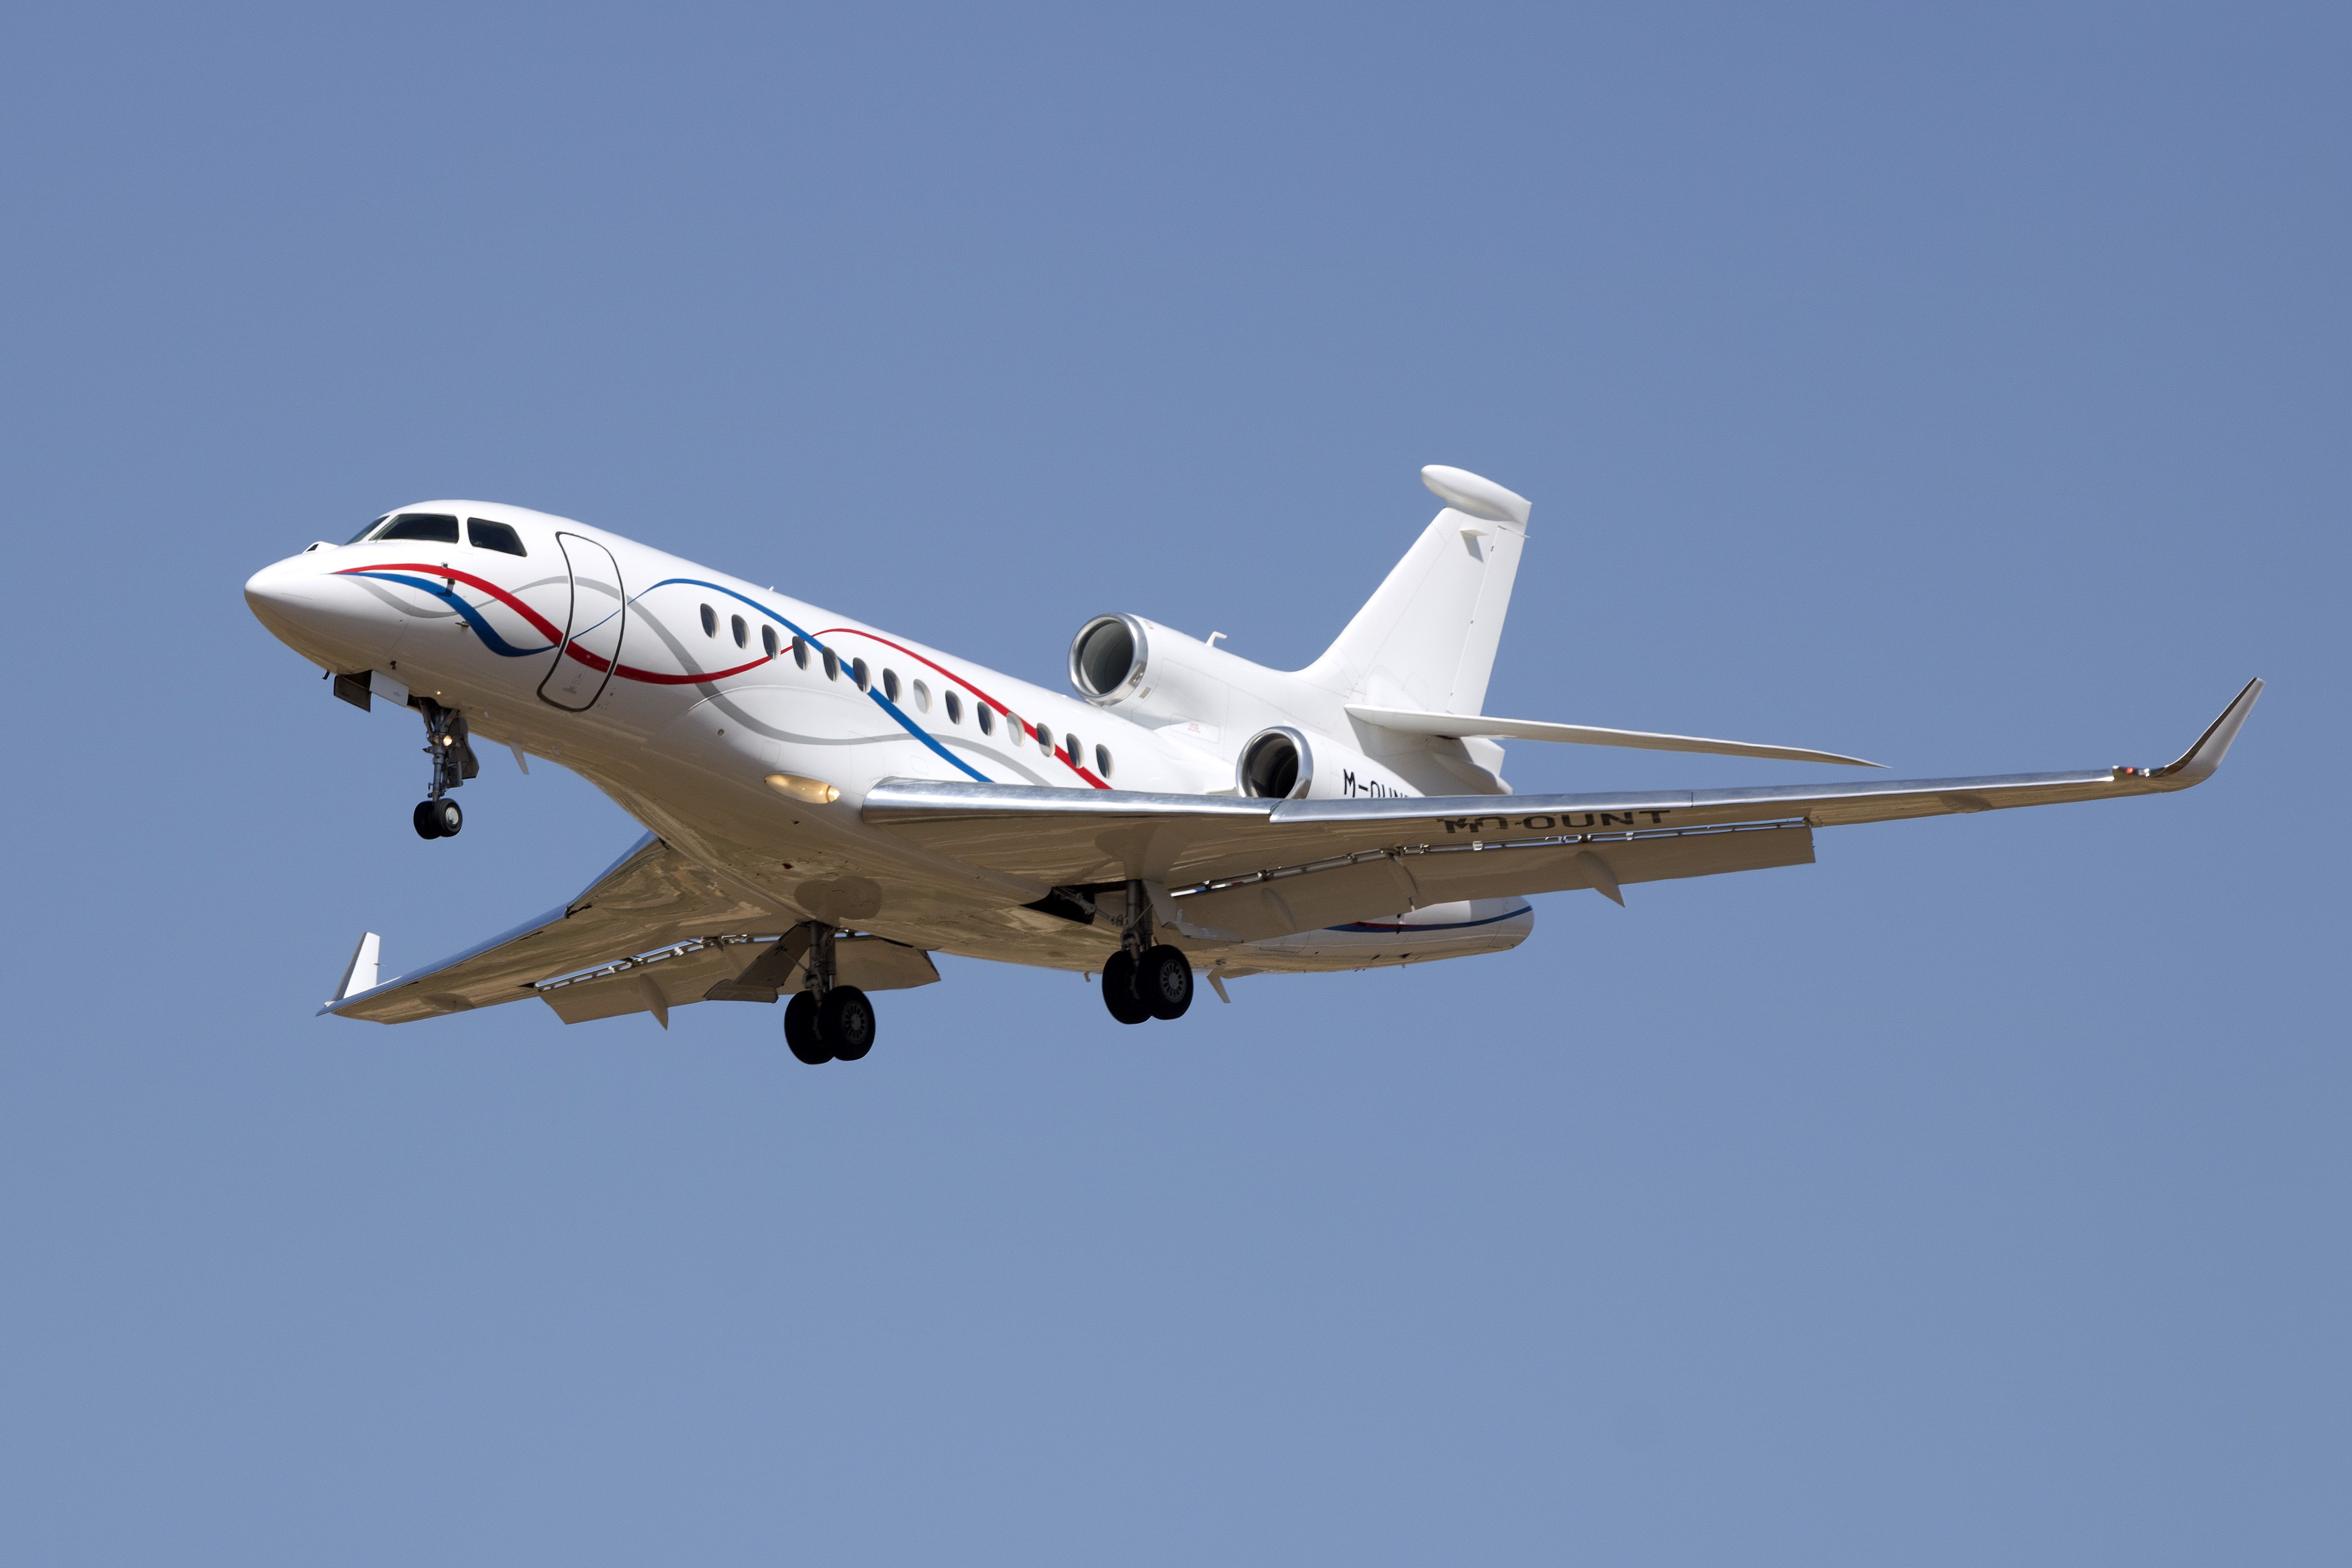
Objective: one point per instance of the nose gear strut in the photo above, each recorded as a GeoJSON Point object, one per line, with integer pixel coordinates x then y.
{"type": "Point", "coordinates": [452, 753]}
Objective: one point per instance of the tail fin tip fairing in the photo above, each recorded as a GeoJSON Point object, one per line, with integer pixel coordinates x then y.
{"type": "Point", "coordinates": [1426, 638]}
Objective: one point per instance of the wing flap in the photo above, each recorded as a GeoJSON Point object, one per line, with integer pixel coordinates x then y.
{"type": "Point", "coordinates": [1307, 900]}
{"type": "Point", "coordinates": [1309, 897]}
{"type": "Point", "coordinates": [868, 962]}
{"type": "Point", "coordinates": [1601, 864]}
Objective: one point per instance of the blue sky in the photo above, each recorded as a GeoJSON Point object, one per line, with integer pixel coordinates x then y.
{"type": "Point", "coordinates": [1961, 389]}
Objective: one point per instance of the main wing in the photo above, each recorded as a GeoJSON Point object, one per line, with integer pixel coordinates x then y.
{"type": "Point", "coordinates": [1239, 868]}
{"type": "Point", "coordinates": [654, 932]}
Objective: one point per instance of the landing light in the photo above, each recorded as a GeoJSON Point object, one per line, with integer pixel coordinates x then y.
{"type": "Point", "coordinates": [817, 791]}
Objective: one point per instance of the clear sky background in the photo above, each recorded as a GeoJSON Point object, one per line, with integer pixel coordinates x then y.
{"type": "Point", "coordinates": [1961, 387]}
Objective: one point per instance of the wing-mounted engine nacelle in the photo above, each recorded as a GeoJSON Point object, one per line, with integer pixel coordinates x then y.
{"type": "Point", "coordinates": [1284, 763]}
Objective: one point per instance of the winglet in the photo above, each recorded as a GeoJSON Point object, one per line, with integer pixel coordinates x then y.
{"type": "Point", "coordinates": [2197, 764]}
{"type": "Point", "coordinates": [359, 975]}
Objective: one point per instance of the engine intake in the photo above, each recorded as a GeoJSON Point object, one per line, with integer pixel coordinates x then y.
{"type": "Point", "coordinates": [1156, 675]}
{"type": "Point", "coordinates": [1107, 657]}
{"type": "Point", "coordinates": [1277, 764]}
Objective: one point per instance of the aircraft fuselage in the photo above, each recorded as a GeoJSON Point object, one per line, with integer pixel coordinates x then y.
{"type": "Point", "coordinates": [745, 725]}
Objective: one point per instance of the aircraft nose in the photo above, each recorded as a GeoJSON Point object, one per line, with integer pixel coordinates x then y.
{"type": "Point", "coordinates": [275, 595]}
{"type": "Point", "coordinates": [307, 607]}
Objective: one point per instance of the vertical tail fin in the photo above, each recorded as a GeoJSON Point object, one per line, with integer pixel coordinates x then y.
{"type": "Point", "coordinates": [1427, 638]}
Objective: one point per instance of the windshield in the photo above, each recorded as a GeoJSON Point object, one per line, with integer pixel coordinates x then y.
{"type": "Point", "coordinates": [363, 532]}
{"type": "Point", "coordinates": [436, 527]}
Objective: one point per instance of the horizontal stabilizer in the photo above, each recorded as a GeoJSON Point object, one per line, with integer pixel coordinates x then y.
{"type": "Point", "coordinates": [1469, 726]}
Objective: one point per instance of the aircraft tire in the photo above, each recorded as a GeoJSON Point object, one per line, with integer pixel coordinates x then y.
{"type": "Point", "coordinates": [1118, 989]}
{"type": "Point", "coordinates": [845, 1023]}
{"type": "Point", "coordinates": [1163, 981]}
{"type": "Point", "coordinates": [448, 816]}
{"type": "Point", "coordinates": [800, 1031]}
{"type": "Point", "coordinates": [422, 818]}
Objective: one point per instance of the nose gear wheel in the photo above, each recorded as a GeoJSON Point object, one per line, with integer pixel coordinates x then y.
{"type": "Point", "coordinates": [439, 819]}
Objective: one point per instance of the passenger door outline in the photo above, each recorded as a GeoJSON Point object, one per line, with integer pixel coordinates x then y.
{"type": "Point", "coordinates": [594, 626]}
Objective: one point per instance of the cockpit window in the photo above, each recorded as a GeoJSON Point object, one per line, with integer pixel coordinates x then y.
{"type": "Point", "coordinates": [489, 535]}
{"type": "Point", "coordinates": [363, 532]}
{"type": "Point", "coordinates": [428, 526]}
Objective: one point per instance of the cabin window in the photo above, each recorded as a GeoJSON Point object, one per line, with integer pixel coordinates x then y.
{"type": "Point", "coordinates": [831, 665]}
{"type": "Point", "coordinates": [987, 717]}
{"type": "Point", "coordinates": [709, 622]}
{"type": "Point", "coordinates": [484, 534]}
{"type": "Point", "coordinates": [860, 674]}
{"type": "Point", "coordinates": [363, 532]}
{"type": "Point", "coordinates": [768, 640]}
{"type": "Point", "coordinates": [742, 633]}
{"type": "Point", "coordinates": [954, 705]}
{"type": "Point", "coordinates": [922, 698]}
{"type": "Point", "coordinates": [1045, 739]}
{"type": "Point", "coordinates": [1102, 762]}
{"type": "Point", "coordinates": [1075, 753]}
{"type": "Point", "coordinates": [800, 650]}
{"type": "Point", "coordinates": [890, 684]}
{"type": "Point", "coordinates": [427, 527]}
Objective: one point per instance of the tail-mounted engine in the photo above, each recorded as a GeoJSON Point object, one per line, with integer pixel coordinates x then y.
{"type": "Point", "coordinates": [1284, 763]}
{"type": "Point", "coordinates": [1145, 671]}
{"type": "Point", "coordinates": [1155, 674]}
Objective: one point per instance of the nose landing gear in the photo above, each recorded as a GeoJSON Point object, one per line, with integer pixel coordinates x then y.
{"type": "Point", "coordinates": [452, 763]}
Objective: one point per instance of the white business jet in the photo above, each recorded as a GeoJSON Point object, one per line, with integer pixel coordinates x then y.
{"type": "Point", "coordinates": [827, 805]}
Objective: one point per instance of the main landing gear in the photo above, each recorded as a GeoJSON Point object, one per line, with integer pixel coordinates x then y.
{"type": "Point", "coordinates": [1145, 979]}
{"type": "Point", "coordinates": [829, 1022]}
{"type": "Point", "coordinates": [452, 763]}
